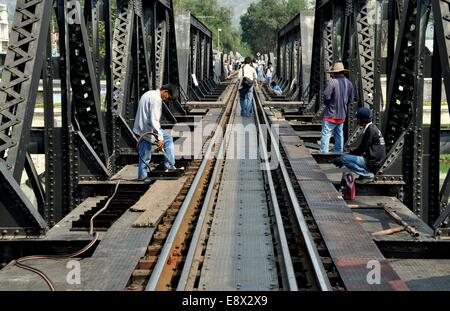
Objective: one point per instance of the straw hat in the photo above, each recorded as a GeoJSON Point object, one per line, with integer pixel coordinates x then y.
{"type": "Point", "coordinates": [338, 67]}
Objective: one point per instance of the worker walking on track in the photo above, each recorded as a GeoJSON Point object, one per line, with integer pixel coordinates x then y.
{"type": "Point", "coordinates": [147, 126]}
{"type": "Point", "coordinates": [337, 95]}
{"type": "Point", "coordinates": [247, 78]}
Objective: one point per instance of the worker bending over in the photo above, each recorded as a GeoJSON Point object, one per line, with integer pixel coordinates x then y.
{"type": "Point", "coordinates": [148, 118]}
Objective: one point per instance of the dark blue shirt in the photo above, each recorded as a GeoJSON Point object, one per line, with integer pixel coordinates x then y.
{"type": "Point", "coordinates": [337, 95]}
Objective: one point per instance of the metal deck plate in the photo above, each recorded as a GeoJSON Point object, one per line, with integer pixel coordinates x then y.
{"type": "Point", "coordinates": [349, 245]}
{"type": "Point", "coordinates": [239, 254]}
{"type": "Point", "coordinates": [117, 255]}
{"type": "Point", "coordinates": [62, 230]}
{"type": "Point", "coordinates": [418, 276]}
{"type": "Point", "coordinates": [109, 268]}
{"type": "Point", "coordinates": [377, 219]}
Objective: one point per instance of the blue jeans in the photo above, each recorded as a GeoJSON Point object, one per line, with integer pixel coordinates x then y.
{"type": "Point", "coordinates": [269, 80]}
{"type": "Point", "coordinates": [327, 129]}
{"type": "Point", "coordinates": [246, 100]}
{"type": "Point", "coordinates": [145, 151]}
{"type": "Point", "coordinates": [358, 165]}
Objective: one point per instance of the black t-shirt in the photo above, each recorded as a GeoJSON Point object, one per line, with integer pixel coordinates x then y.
{"type": "Point", "coordinates": [372, 148]}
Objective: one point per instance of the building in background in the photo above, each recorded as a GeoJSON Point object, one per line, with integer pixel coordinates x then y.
{"type": "Point", "coordinates": [4, 29]}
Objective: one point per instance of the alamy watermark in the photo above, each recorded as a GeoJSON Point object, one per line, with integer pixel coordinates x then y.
{"type": "Point", "coordinates": [73, 277]}
{"type": "Point", "coordinates": [374, 275]}
{"type": "Point", "coordinates": [242, 142]}
{"type": "Point", "coordinates": [73, 12]}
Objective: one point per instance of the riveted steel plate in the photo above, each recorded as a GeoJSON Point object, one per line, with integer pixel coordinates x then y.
{"type": "Point", "coordinates": [321, 191]}
{"type": "Point", "coordinates": [349, 245]}
{"type": "Point", "coordinates": [286, 131]}
{"type": "Point", "coordinates": [311, 172]}
{"type": "Point", "coordinates": [239, 254]}
{"type": "Point", "coordinates": [418, 276]}
{"type": "Point", "coordinates": [358, 275]}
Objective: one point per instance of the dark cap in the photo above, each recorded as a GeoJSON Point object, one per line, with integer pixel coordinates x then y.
{"type": "Point", "coordinates": [364, 114]}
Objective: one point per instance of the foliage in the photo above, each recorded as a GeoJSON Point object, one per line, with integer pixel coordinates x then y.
{"type": "Point", "coordinates": [268, 16]}
{"type": "Point", "coordinates": [214, 17]}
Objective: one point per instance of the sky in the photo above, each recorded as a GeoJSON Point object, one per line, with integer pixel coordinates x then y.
{"type": "Point", "coordinates": [239, 8]}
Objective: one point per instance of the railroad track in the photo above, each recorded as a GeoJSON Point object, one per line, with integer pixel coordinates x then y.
{"type": "Point", "coordinates": [304, 263]}
{"type": "Point", "coordinates": [175, 258]}
{"type": "Point", "coordinates": [159, 268]}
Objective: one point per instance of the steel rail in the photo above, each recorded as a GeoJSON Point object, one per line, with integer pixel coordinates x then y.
{"type": "Point", "coordinates": [286, 256]}
{"type": "Point", "coordinates": [319, 269]}
{"type": "Point", "coordinates": [165, 252]}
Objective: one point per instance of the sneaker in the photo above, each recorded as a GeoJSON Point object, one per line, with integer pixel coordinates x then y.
{"type": "Point", "coordinates": [338, 162]}
{"type": "Point", "coordinates": [174, 169]}
{"type": "Point", "coordinates": [146, 181]}
{"type": "Point", "coordinates": [362, 180]}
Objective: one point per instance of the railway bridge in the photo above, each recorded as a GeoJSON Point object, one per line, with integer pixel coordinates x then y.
{"type": "Point", "coordinates": [257, 207]}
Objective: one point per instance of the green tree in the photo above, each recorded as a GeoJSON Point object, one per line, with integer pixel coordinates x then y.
{"type": "Point", "coordinates": [264, 18]}
{"type": "Point", "coordinates": [214, 17]}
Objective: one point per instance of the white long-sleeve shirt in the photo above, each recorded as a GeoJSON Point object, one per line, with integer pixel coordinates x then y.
{"type": "Point", "coordinates": [249, 71]}
{"type": "Point", "coordinates": [148, 114]}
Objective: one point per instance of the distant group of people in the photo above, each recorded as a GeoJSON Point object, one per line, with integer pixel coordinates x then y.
{"type": "Point", "coordinates": [339, 92]}
{"type": "Point", "coordinates": [228, 69]}
{"type": "Point", "coordinates": [366, 159]}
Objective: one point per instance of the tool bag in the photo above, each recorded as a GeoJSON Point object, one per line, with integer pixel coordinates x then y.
{"type": "Point", "coordinates": [348, 186]}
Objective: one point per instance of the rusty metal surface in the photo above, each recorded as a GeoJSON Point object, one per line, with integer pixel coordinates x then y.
{"type": "Point", "coordinates": [349, 245]}
{"type": "Point", "coordinates": [374, 220]}
{"type": "Point", "coordinates": [352, 270]}
{"type": "Point", "coordinates": [418, 275]}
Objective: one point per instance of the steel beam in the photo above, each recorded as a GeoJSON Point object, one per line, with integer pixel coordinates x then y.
{"type": "Point", "coordinates": [18, 90]}
{"type": "Point", "coordinates": [404, 106]}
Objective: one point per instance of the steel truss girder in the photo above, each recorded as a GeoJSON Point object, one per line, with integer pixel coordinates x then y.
{"type": "Point", "coordinates": [140, 30]}
{"type": "Point", "coordinates": [441, 64]}
{"type": "Point", "coordinates": [326, 50]}
{"type": "Point", "coordinates": [165, 63]}
{"type": "Point", "coordinates": [404, 106]}
{"type": "Point", "coordinates": [18, 217]}
{"type": "Point", "coordinates": [172, 56]}
{"type": "Point", "coordinates": [326, 63]}
{"type": "Point", "coordinates": [315, 82]}
{"type": "Point", "coordinates": [194, 54]}
{"type": "Point", "coordinates": [88, 119]}
{"type": "Point", "coordinates": [121, 57]}
{"type": "Point", "coordinates": [365, 49]}
{"type": "Point", "coordinates": [160, 51]}
{"type": "Point", "coordinates": [18, 90]}
{"type": "Point", "coordinates": [78, 150]}
{"type": "Point", "coordinates": [365, 68]}
{"type": "Point", "coordinates": [290, 61]}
